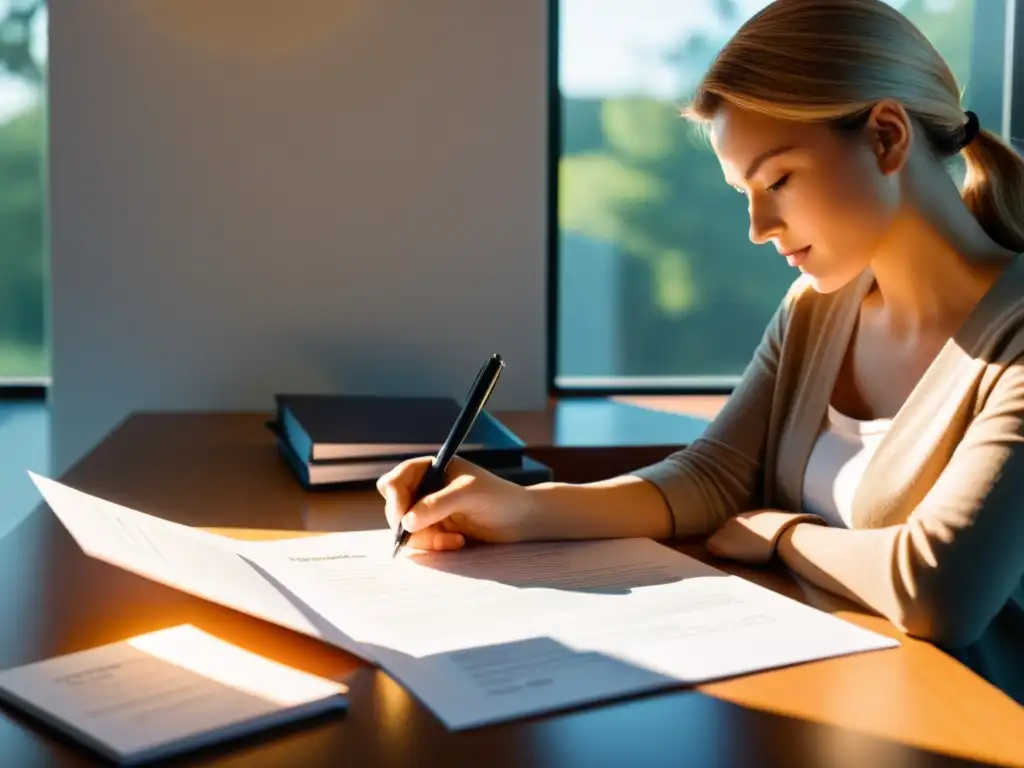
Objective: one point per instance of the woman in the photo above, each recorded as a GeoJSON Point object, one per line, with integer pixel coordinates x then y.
{"type": "Point", "coordinates": [876, 441]}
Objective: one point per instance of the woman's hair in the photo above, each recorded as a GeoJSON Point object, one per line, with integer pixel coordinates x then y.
{"type": "Point", "coordinates": [832, 60]}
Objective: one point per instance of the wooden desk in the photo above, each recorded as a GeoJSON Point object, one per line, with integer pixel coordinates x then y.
{"type": "Point", "coordinates": [912, 705]}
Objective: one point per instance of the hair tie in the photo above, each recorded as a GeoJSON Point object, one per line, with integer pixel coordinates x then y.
{"type": "Point", "coordinates": [971, 129]}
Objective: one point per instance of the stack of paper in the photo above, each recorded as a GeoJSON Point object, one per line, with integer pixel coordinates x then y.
{"type": "Point", "coordinates": [165, 693]}
{"type": "Point", "coordinates": [483, 634]}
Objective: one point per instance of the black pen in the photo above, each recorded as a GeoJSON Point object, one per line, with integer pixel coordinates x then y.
{"type": "Point", "coordinates": [434, 478]}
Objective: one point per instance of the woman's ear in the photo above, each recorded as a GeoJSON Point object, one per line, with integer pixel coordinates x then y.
{"type": "Point", "coordinates": [890, 132]}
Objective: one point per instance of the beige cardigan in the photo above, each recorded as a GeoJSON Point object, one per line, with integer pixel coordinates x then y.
{"type": "Point", "coordinates": [937, 540]}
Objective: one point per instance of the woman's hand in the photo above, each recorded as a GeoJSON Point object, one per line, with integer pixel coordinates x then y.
{"type": "Point", "coordinates": [474, 503]}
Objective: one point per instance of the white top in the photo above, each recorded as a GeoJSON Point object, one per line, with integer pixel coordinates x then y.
{"type": "Point", "coordinates": [837, 464]}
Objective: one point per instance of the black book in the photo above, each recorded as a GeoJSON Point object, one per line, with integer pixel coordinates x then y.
{"type": "Point", "coordinates": [382, 428]}
{"type": "Point", "coordinates": [332, 475]}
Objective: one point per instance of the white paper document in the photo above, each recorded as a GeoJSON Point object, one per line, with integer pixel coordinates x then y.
{"type": "Point", "coordinates": [165, 693]}
{"type": "Point", "coordinates": [493, 633]}
{"type": "Point", "coordinates": [188, 559]}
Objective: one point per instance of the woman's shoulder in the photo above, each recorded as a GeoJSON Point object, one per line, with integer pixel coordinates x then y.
{"type": "Point", "coordinates": [994, 330]}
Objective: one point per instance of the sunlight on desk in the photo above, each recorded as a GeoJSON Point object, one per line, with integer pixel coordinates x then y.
{"type": "Point", "coordinates": [396, 708]}
{"type": "Point", "coordinates": [908, 704]}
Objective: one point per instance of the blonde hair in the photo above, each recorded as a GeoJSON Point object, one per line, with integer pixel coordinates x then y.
{"type": "Point", "coordinates": [832, 60]}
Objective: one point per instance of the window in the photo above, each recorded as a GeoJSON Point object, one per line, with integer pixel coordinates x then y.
{"type": "Point", "coordinates": [24, 358]}
{"type": "Point", "coordinates": [656, 286]}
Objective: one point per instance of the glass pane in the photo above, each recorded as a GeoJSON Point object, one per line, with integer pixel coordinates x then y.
{"type": "Point", "coordinates": [23, 261]}
{"type": "Point", "coordinates": [658, 284]}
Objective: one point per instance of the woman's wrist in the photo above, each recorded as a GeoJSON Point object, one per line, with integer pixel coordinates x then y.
{"type": "Point", "coordinates": [621, 507]}
{"type": "Point", "coordinates": [784, 542]}
{"type": "Point", "coordinates": [547, 515]}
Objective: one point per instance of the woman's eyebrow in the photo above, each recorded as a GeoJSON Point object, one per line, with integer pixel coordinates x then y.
{"type": "Point", "coordinates": [765, 156]}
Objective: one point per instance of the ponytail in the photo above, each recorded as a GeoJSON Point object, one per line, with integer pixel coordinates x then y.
{"type": "Point", "coordinates": [994, 189]}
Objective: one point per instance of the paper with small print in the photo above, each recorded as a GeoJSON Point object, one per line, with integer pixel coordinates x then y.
{"type": "Point", "coordinates": [164, 693]}
{"type": "Point", "coordinates": [489, 634]}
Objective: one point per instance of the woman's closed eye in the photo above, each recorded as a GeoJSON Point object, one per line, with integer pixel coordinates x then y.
{"type": "Point", "coordinates": [771, 188]}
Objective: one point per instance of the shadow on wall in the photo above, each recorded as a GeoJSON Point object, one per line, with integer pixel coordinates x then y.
{"type": "Point", "coordinates": [24, 445]}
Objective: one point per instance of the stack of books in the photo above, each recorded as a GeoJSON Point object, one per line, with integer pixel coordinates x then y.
{"type": "Point", "coordinates": [333, 441]}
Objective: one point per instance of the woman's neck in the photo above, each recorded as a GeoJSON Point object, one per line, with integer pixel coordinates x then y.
{"type": "Point", "coordinates": [934, 267]}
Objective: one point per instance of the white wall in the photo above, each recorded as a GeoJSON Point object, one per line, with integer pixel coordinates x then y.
{"type": "Point", "coordinates": [251, 196]}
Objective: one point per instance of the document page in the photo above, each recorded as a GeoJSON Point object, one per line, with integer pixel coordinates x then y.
{"type": "Point", "coordinates": [487, 633]}
{"type": "Point", "coordinates": [164, 693]}
{"type": "Point", "coordinates": [491, 633]}
{"type": "Point", "coordinates": [181, 557]}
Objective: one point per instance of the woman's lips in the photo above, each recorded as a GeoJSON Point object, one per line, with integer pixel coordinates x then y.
{"type": "Point", "coordinates": [796, 258]}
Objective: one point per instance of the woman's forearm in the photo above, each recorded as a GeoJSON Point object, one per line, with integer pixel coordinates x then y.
{"type": "Point", "coordinates": [855, 564]}
{"type": "Point", "coordinates": [621, 507]}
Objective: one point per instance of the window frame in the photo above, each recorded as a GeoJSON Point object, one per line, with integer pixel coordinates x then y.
{"type": "Point", "coordinates": [11, 391]}
{"type": "Point", "coordinates": [997, 32]}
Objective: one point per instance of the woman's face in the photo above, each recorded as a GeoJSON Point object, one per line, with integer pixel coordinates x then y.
{"type": "Point", "coordinates": [823, 199]}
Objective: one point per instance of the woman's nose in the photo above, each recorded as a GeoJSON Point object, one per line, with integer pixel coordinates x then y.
{"type": "Point", "coordinates": [765, 223]}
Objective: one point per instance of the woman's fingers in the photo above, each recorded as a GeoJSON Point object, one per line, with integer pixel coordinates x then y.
{"type": "Point", "coordinates": [396, 502]}
{"type": "Point", "coordinates": [396, 486]}
{"type": "Point", "coordinates": [435, 538]}
{"type": "Point", "coordinates": [438, 506]}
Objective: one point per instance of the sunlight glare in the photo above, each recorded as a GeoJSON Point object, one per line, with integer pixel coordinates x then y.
{"type": "Point", "coordinates": [191, 648]}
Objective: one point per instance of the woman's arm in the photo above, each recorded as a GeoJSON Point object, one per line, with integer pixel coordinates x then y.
{"type": "Point", "coordinates": [721, 473]}
{"type": "Point", "coordinates": [622, 507]}
{"type": "Point", "coordinates": [948, 570]}
{"type": "Point", "coordinates": [693, 490]}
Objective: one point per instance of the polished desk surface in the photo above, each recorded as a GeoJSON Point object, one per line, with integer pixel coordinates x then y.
{"type": "Point", "coordinates": [907, 706]}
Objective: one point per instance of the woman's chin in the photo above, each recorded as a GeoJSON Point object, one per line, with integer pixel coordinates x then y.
{"type": "Point", "coordinates": [829, 283]}
{"type": "Point", "coordinates": [827, 280]}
